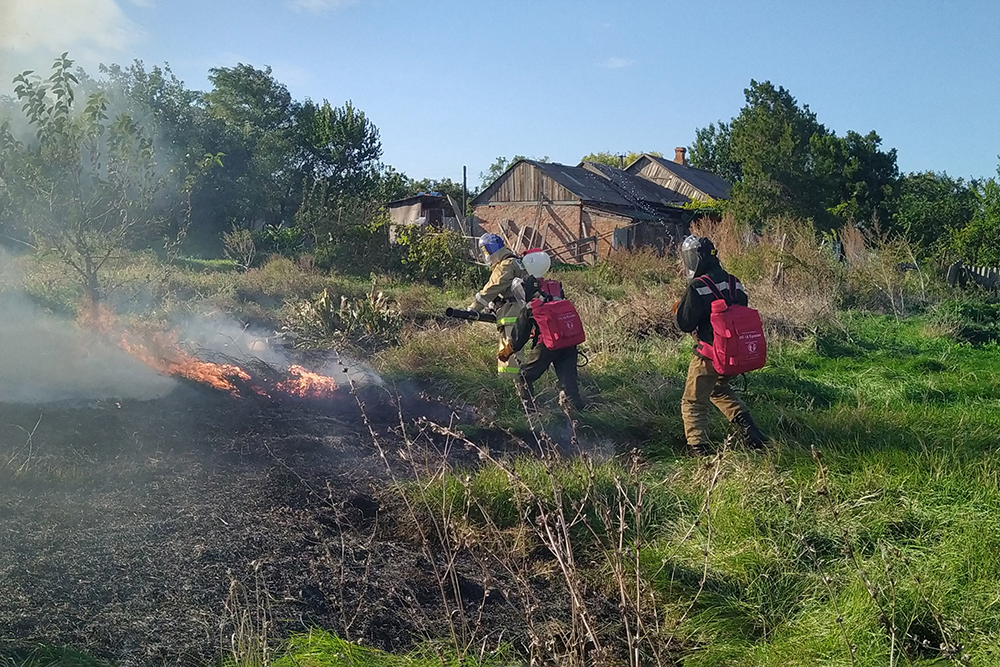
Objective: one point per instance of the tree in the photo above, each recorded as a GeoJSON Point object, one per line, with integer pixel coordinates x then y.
{"type": "Point", "coordinates": [712, 150]}
{"type": "Point", "coordinates": [339, 145]}
{"type": "Point", "coordinates": [784, 162]}
{"type": "Point", "coordinates": [87, 188]}
{"type": "Point", "coordinates": [931, 208]}
{"type": "Point", "coordinates": [444, 186]}
{"type": "Point", "coordinates": [860, 181]}
{"type": "Point", "coordinates": [771, 140]}
{"type": "Point", "coordinates": [255, 118]}
{"type": "Point", "coordinates": [978, 242]}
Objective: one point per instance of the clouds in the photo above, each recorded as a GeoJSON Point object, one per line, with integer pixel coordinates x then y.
{"type": "Point", "coordinates": [617, 63]}
{"type": "Point", "coordinates": [33, 32]}
{"type": "Point", "coordinates": [318, 6]}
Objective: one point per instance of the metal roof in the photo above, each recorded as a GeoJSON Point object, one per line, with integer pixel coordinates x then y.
{"type": "Point", "coordinates": [637, 187]}
{"type": "Point", "coordinates": [585, 184]}
{"type": "Point", "coordinates": [412, 199]}
{"type": "Point", "coordinates": [714, 186]}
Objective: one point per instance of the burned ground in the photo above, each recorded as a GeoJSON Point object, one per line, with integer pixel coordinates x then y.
{"type": "Point", "coordinates": [152, 531]}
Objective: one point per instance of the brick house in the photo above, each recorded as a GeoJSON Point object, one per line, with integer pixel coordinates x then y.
{"type": "Point", "coordinates": [581, 214]}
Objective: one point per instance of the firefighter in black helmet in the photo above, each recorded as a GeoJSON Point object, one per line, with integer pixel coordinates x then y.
{"type": "Point", "coordinates": [704, 386]}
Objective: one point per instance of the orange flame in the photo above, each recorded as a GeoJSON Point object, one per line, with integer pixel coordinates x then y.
{"type": "Point", "coordinates": [162, 353]}
{"type": "Point", "coordinates": [307, 384]}
{"type": "Point", "coordinates": [174, 361]}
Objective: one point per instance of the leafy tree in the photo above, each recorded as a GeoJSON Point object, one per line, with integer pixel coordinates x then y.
{"type": "Point", "coordinates": [771, 141]}
{"type": "Point", "coordinates": [620, 160]}
{"type": "Point", "coordinates": [255, 117]}
{"type": "Point", "coordinates": [88, 188]}
{"type": "Point", "coordinates": [713, 150]}
{"type": "Point", "coordinates": [783, 161]}
{"type": "Point", "coordinates": [931, 208]}
{"type": "Point", "coordinates": [339, 145]}
{"type": "Point", "coordinates": [978, 242]}
{"type": "Point", "coordinates": [861, 182]}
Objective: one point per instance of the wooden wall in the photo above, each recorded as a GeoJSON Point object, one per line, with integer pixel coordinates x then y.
{"type": "Point", "coordinates": [652, 171]}
{"type": "Point", "coordinates": [525, 183]}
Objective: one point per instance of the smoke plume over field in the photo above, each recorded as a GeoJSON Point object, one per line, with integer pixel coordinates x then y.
{"type": "Point", "coordinates": [44, 359]}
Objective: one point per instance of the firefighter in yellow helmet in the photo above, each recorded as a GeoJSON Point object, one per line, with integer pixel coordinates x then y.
{"type": "Point", "coordinates": [504, 297]}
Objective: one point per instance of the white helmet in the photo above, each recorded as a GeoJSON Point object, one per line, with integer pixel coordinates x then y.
{"type": "Point", "coordinates": [536, 262]}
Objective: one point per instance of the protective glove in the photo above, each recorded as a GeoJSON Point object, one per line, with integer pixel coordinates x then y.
{"type": "Point", "coordinates": [505, 353]}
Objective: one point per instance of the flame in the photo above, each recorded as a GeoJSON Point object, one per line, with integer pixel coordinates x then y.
{"type": "Point", "coordinates": [305, 383]}
{"type": "Point", "coordinates": [171, 360]}
{"type": "Point", "coordinates": [162, 352]}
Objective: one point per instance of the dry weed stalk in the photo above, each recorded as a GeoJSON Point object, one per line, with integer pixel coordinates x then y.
{"type": "Point", "coordinates": [29, 445]}
{"type": "Point", "coordinates": [246, 624]}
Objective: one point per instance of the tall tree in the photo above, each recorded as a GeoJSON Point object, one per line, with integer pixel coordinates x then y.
{"type": "Point", "coordinates": [931, 207]}
{"type": "Point", "coordinates": [713, 150]}
{"type": "Point", "coordinates": [783, 161]}
{"type": "Point", "coordinates": [979, 241]}
{"type": "Point", "coordinates": [255, 116]}
{"type": "Point", "coordinates": [88, 189]}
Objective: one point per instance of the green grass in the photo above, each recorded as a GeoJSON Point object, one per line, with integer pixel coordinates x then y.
{"type": "Point", "coordinates": [46, 656]}
{"type": "Point", "coordinates": [907, 497]}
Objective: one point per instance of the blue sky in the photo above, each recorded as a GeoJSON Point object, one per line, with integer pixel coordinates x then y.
{"type": "Point", "coordinates": [456, 82]}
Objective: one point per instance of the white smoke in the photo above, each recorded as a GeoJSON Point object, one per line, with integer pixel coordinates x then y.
{"type": "Point", "coordinates": [225, 336]}
{"type": "Point", "coordinates": [45, 359]}
{"type": "Point", "coordinates": [34, 32]}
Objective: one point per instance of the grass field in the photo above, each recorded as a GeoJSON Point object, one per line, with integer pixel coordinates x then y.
{"type": "Point", "coordinates": [866, 535]}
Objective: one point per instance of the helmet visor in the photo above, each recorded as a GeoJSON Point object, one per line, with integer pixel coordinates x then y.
{"type": "Point", "coordinates": [691, 255]}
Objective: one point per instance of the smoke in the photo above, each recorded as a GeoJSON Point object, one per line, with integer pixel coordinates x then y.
{"type": "Point", "coordinates": [44, 359]}
{"type": "Point", "coordinates": [229, 339]}
{"type": "Point", "coordinates": [35, 32]}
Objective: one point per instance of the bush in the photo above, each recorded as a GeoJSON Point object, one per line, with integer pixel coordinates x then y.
{"type": "Point", "coordinates": [437, 257]}
{"type": "Point", "coordinates": [371, 323]}
{"type": "Point", "coordinates": [285, 241]}
{"type": "Point", "coordinates": [359, 250]}
{"type": "Point", "coordinates": [969, 319]}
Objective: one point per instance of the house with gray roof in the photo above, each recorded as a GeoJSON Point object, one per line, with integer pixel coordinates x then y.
{"type": "Point", "coordinates": [583, 213]}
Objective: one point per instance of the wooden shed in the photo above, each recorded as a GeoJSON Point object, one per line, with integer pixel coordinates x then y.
{"type": "Point", "coordinates": [432, 209]}
{"type": "Point", "coordinates": [578, 214]}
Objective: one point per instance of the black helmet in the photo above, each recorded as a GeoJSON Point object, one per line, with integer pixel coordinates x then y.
{"type": "Point", "coordinates": [697, 253]}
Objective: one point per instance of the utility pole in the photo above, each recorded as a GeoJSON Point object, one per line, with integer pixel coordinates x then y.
{"type": "Point", "coordinates": [465, 195]}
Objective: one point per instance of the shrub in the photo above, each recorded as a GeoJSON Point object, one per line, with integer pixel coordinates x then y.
{"type": "Point", "coordinates": [285, 241]}
{"type": "Point", "coordinates": [970, 319]}
{"type": "Point", "coordinates": [436, 256]}
{"type": "Point", "coordinates": [638, 268]}
{"type": "Point", "coordinates": [371, 323]}
{"type": "Point", "coordinates": [239, 247]}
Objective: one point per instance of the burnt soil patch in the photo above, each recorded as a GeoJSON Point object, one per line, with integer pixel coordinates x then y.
{"type": "Point", "coordinates": [147, 532]}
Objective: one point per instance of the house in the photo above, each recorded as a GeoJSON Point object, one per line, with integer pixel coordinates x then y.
{"type": "Point", "coordinates": [687, 182]}
{"type": "Point", "coordinates": [426, 208]}
{"type": "Point", "coordinates": [584, 213]}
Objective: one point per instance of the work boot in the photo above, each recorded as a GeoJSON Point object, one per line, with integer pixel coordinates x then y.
{"type": "Point", "coordinates": [699, 450]}
{"type": "Point", "coordinates": [571, 400]}
{"type": "Point", "coordinates": [751, 433]}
